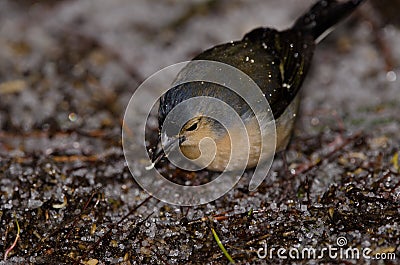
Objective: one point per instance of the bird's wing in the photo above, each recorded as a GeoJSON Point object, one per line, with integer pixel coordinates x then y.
{"type": "Point", "coordinates": [276, 61]}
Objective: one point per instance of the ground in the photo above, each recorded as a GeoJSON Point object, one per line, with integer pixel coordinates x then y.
{"type": "Point", "coordinates": [67, 72]}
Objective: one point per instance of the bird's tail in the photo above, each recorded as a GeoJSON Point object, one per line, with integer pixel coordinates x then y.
{"type": "Point", "coordinates": [324, 15]}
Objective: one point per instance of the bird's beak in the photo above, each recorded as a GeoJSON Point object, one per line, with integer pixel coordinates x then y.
{"type": "Point", "coordinates": [168, 143]}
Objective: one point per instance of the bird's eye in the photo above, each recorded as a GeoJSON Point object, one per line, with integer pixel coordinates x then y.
{"type": "Point", "coordinates": [193, 127]}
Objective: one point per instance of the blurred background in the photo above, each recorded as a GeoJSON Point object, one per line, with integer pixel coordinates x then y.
{"type": "Point", "coordinates": [62, 57]}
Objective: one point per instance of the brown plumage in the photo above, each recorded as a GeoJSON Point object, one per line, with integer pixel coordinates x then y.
{"type": "Point", "coordinates": [278, 62]}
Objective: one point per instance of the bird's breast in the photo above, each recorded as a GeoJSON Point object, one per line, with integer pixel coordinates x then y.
{"type": "Point", "coordinates": [245, 153]}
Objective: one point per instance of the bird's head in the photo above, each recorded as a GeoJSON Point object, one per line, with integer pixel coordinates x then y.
{"type": "Point", "coordinates": [200, 136]}
{"type": "Point", "coordinates": [201, 139]}
{"type": "Point", "coordinates": [201, 130]}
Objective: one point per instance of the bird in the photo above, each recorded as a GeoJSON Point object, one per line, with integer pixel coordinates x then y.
{"type": "Point", "coordinates": [278, 62]}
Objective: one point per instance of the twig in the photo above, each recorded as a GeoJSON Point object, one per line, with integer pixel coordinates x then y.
{"type": "Point", "coordinates": [15, 241]}
{"type": "Point", "coordinates": [216, 217]}
{"type": "Point", "coordinates": [79, 215]}
{"type": "Point", "coordinates": [221, 246]}
{"type": "Point", "coordinates": [73, 158]}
